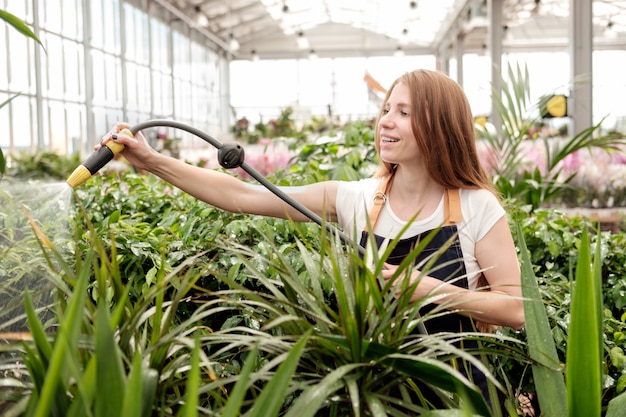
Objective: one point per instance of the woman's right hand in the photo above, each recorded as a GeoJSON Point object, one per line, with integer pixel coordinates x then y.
{"type": "Point", "coordinates": [137, 151]}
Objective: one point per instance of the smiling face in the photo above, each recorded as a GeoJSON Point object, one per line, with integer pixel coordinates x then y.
{"type": "Point", "coordinates": [397, 144]}
{"type": "Point", "coordinates": [426, 126]}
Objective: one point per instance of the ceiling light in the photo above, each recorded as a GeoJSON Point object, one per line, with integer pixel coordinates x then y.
{"type": "Point", "coordinates": [404, 37]}
{"type": "Point", "coordinates": [312, 54]}
{"type": "Point", "coordinates": [303, 42]}
{"type": "Point", "coordinates": [609, 30]}
{"type": "Point", "coordinates": [233, 44]}
{"type": "Point", "coordinates": [255, 56]}
{"type": "Point", "coordinates": [201, 19]}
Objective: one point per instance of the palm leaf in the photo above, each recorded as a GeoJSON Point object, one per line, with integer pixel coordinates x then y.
{"type": "Point", "coordinates": [19, 25]}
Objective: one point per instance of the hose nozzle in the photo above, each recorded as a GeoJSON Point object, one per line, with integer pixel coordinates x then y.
{"type": "Point", "coordinates": [96, 161]}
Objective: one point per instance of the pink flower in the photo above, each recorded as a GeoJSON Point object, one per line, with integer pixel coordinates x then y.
{"type": "Point", "coordinates": [571, 162]}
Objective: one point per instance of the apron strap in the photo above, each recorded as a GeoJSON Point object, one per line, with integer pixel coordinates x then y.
{"type": "Point", "coordinates": [451, 204]}
{"type": "Point", "coordinates": [452, 207]}
{"type": "Point", "coordinates": [380, 199]}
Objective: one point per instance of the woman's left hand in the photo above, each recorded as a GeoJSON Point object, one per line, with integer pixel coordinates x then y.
{"type": "Point", "coordinates": [390, 270]}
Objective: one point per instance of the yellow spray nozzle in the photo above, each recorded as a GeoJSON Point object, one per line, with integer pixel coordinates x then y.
{"type": "Point", "coordinates": [96, 161]}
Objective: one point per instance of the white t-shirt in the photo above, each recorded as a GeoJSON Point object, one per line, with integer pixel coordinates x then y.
{"type": "Point", "coordinates": [480, 210]}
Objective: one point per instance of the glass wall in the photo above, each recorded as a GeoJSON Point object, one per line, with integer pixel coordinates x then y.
{"type": "Point", "coordinates": [102, 62]}
{"type": "Point", "coordinates": [315, 87]}
{"type": "Point", "coordinates": [312, 87]}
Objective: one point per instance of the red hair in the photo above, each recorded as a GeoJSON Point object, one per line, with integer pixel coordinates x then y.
{"type": "Point", "coordinates": [443, 125]}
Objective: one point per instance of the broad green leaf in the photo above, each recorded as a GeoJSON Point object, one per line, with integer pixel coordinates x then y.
{"type": "Point", "coordinates": [150, 381]}
{"type": "Point", "coordinates": [584, 384]}
{"type": "Point", "coordinates": [40, 339]}
{"type": "Point", "coordinates": [547, 375]}
{"type": "Point", "coordinates": [617, 406]}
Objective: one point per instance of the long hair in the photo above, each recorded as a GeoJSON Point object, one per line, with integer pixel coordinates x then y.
{"type": "Point", "coordinates": [443, 126]}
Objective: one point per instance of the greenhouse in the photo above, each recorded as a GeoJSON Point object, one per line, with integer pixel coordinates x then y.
{"type": "Point", "coordinates": [312, 208]}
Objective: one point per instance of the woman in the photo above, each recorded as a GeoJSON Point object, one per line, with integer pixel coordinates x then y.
{"type": "Point", "coordinates": [430, 176]}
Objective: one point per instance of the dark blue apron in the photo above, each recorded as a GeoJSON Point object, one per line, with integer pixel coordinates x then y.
{"type": "Point", "coordinates": [448, 266]}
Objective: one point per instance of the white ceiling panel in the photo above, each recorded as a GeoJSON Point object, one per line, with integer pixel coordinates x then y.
{"type": "Point", "coordinates": [273, 28]}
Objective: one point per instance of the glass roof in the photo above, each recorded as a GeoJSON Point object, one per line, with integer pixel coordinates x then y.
{"type": "Point", "coordinates": [295, 28]}
{"type": "Point", "coordinates": [407, 21]}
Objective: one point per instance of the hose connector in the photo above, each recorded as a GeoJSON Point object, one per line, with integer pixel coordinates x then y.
{"type": "Point", "coordinates": [96, 161]}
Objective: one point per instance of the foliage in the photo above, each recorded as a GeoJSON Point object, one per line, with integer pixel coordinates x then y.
{"type": "Point", "coordinates": [113, 356]}
{"type": "Point", "coordinates": [506, 156]}
{"type": "Point", "coordinates": [349, 156]}
{"type": "Point", "coordinates": [266, 239]}
{"type": "Point", "coordinates": [282, 127]}
{"type": "Point", "coordinates": [297, 304]}
{"type": "Point", "coordinates": [43, 165]}
{"type": "Point", "coordinates": [363, 341]}
{"type": "Point", "coordinates": [584, 344]}
{"type": "Point", "coordinates": [248, 289]}
{"type": "Point", "coordinates": [554, 244]}
{"type": "Point", "coordinates": [584, 341]}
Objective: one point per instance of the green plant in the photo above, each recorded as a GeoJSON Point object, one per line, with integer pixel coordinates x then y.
{"type": "Point", "coordinates": [362, 345]}
{"type": "Point", "coordinates": [351, 156]}
{"type": "Point", "coordinates": [247, 289]}
{"type": "Point", "coordinates": [554, 241]}
{"type": "Point", "coordinates": [155, 214]}
{"type": "Point", "coordinates": [513, 172]}
{"type": "Point", "coordinates": [584, 343]}
{"type": "Point", "coordinates": [580, 394]}
{"type": "Point", "coordinates": [547, 373]}
{"type": "Point", "coordinates": [43, 165]}
{"type": "Point", "coordinates": [19, 25]}
{"type": "Point", "coordinates": [107, 355]}
{"type": "Point", "coordinates": [266, 286]}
